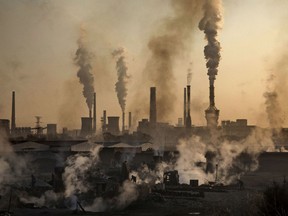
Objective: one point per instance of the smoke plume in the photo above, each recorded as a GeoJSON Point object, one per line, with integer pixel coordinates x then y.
{"type": "Point", "coordinates": [123, 77]}
{"type": "Point", "coordinates": [234, 158]}
{"type": "Point", "coordinates": [76, 171]}
{"type": "Point", "coordinates": [276, 93]}
{"type": "Point", "coordinates": [210, 24]}
{"type": "Point", "coordinates": [168, 45]}
{"type": "Point", "coordinates": [12, 166]}
{"type": "Point", "coordinates": [189, 76]}
{"type": "Point", "coordinates": [83, 61]}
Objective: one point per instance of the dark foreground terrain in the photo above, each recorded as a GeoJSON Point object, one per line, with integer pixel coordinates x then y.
{"type": "Point", "coordinates": [273, 167]}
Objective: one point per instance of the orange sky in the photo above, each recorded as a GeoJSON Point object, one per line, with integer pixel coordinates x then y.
{"type": "Point", "coordinates": [39, 40]}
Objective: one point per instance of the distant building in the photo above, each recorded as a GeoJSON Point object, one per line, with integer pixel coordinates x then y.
{"type": "Point", "coordinates": [86, 126]}
{"type": "Point", "coordinates": [238, 128]}
{"type": "Point", "coordinates": [113, 125]}
{"type": "Point", "coordinates": [22, 132]}
{"type": "Point", "coordinates": [51, 131]}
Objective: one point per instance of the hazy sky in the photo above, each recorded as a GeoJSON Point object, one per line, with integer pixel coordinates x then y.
{"type": "Point", "coordinates": [38, 41]}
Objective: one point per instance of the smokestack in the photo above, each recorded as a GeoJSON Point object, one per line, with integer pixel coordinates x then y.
{"type": "Point", "coordinates": [130, 120]}
{"type": "Point", "coordinates": [94, 113]}
{"type": "Point", "coordinates": [210, 24]}
{"type": "Point", "coordinates": [104, 121]}
{"type": "Point", "coordinates": [212, 113]}
{"type": "Point", "coordinates": [13, 120]}
{"type": "Point", "coordinates": [90, 113]}
{"type": "Point", "coordinates": [123, 122]}
{"type": "Point", "coordinates": [188, 119]}
{"type": "Point", "coordinates": [185, 106]}
{"type": "Point", "coordinates": [153, 111]}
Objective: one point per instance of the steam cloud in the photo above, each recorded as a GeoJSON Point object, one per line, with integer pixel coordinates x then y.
{"type": "Point", "coordinates": [210, 24]}
{"type": "Point", "coordinates": [234, 158]}
{"type": "Point", "coordinates": [83, 61]}
{"type": "Point", "coordinates": [123, 77]}
{"type": "Point", "coordinates": [12, 166]}
{"type": "Point", "coordinates": [78, 177]}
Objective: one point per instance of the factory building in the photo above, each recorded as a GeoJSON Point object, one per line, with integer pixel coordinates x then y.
{"type": "Point", "coordinates": [153, 109]}
{"type": "Point", "coordinates": [51, 131]}
{"type": "Point", "coordinates": [86, 126]}
{"type": "Point", "coordinates": [113, 125]}
{"type": "Point", "coordinates": [237, 129]}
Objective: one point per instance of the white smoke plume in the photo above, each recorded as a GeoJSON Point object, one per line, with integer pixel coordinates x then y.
{"type": "Point", "coordinates": [48, 199]}
{"type": "Point", "coordinates": [12, 166]}
{"type": "Point", "coordinates": [210, 24]}
{"type": "Point", "coordinates": [75, 174]}
{"type": "Point", "coordinates": [145, 175]}
{"type": "Point", "coordinates": [121, 85]}
{"type": "Point", "coordinates": [83, 61]}
{"type": "Point", "coordinates": [233, 158]}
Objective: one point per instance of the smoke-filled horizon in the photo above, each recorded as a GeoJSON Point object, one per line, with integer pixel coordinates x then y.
{"type": "Point", "coordinates": [39, 41]}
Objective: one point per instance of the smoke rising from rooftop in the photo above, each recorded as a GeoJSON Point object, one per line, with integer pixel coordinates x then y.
{"type": "Point", "coordinates": [83, 61]}
{"type": "Point", "coordinates": [121, 85]}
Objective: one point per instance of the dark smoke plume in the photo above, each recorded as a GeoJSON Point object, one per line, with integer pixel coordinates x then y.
{"type": "Point", "coordinates": [210, 24]}
{"type": "Point", "coordinates": [169, 44]}
{"type": "Point", "coordinates": [83, 61]}
{"type": "Point", "coordinates": [120, 86]}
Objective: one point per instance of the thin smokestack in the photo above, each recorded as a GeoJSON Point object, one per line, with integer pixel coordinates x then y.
{"type": "Point", "coordinates": [94, 113]}
{"type": "Point", "coordinates": [13, 118]}
{"type": "Point", "coordinates": [104, 121]}
{"type": "Point", "coordinates": [210, 24]}
{"type": "Point", "coordinates": [130, 120]}
{"type": "Point", "coordinates": [185, 107]}
{"type": "Point", "coordinates": [123, 122]}
{"type": "Point", "coordinates": [188, 120]}
{"type": "Point", "coordinates": [153, 111]}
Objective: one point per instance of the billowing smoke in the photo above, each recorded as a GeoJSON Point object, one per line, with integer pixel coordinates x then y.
{"type": "Point", "coordinates": [83, 61]}
{"type": "Point", "coordinates": [121, 85]}
{"type": "Point", "coordinates": [234, 158]}
{"type": "Point", "coordinates": [168, 45]}
{"type": "Point", "coordinates": [79, 177]}
{"type": "Point", "coordinates": [276, 93]}
{"type": "Point", "coordinates": [12, 166]}
{"type": "Point", "coordinates": [273, 107]}
{"type": "Point", "coordinates": [210, 24]}
{"type": "Point", "coordinates": [77, 170]}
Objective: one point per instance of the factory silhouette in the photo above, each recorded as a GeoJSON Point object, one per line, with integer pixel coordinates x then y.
{"type": "Point", "coordinates": [148, 130]}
